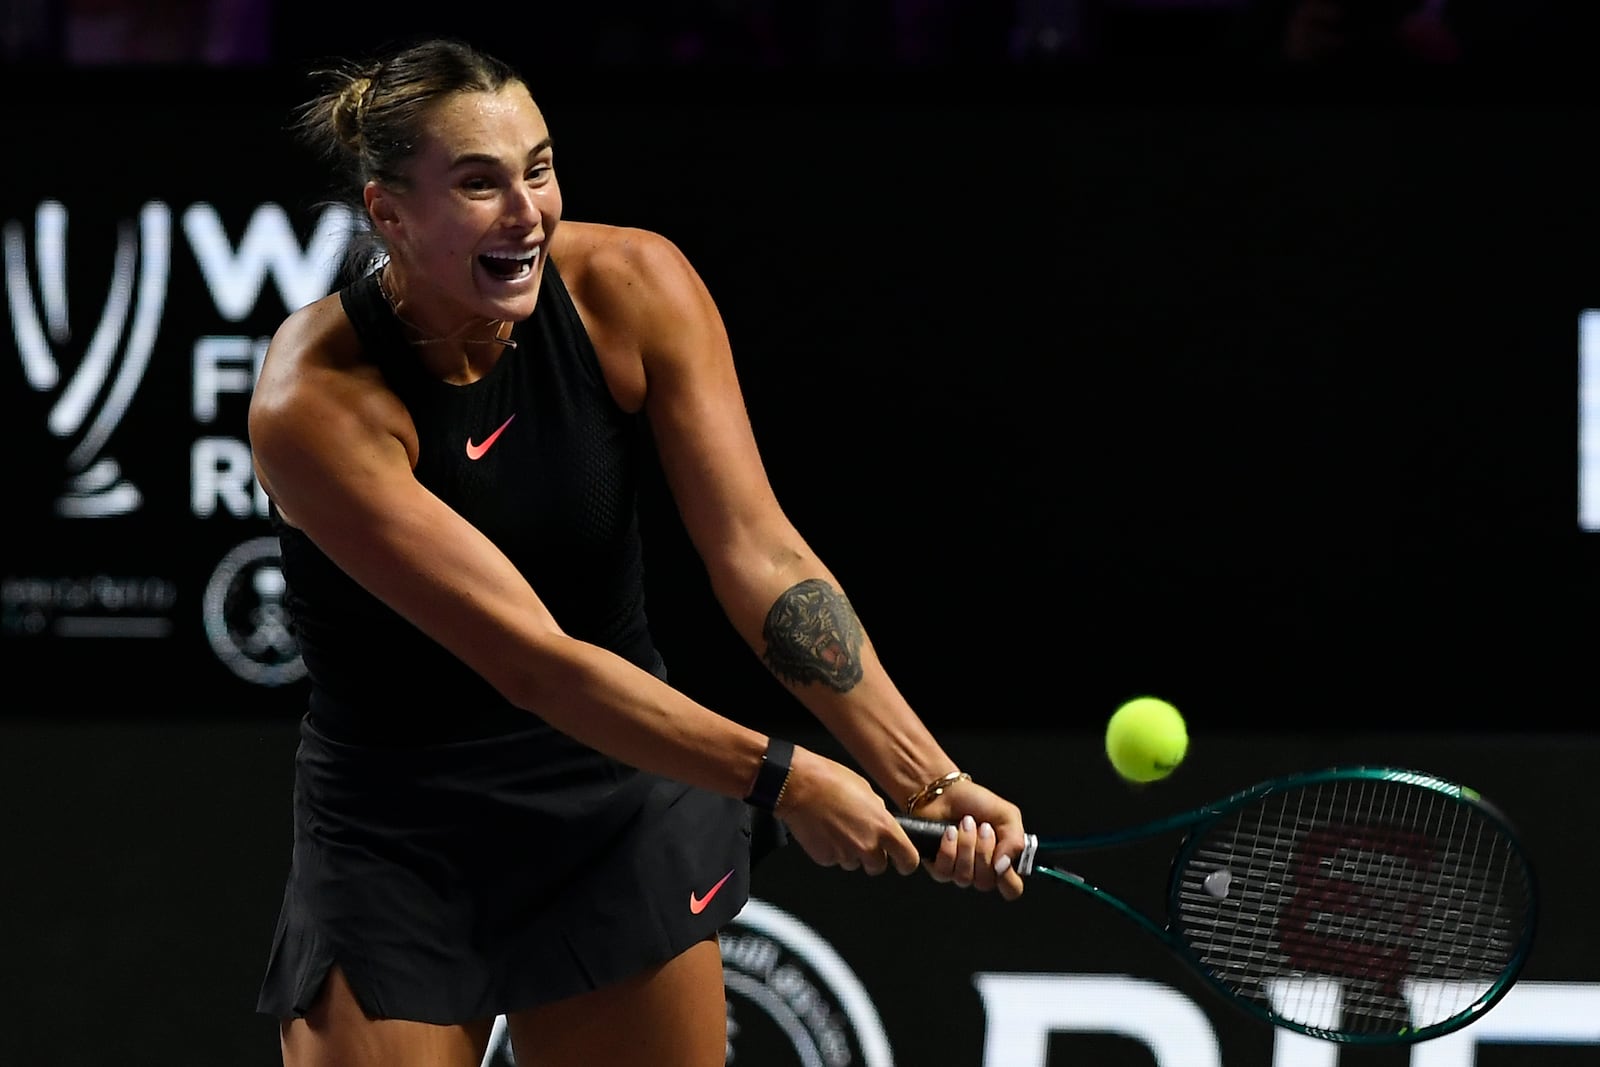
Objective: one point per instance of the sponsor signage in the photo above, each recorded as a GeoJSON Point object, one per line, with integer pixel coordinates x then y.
{"type": "Point", "coordinates": [134, 342]}
{"type": "Point", "coordinates": [793, 1000]}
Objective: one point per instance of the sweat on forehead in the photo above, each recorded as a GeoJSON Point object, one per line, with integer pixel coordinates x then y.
{"type": "Point", "coordinates": [500, 126]}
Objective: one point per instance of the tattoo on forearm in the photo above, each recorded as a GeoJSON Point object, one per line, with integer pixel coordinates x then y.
{"type": "Point", "coordinates": [813, 635]}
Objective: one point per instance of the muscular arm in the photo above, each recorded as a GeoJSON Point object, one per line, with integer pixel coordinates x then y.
{"type": "Point", "coordinates": [778, 594]}
{"type": "Point", "coordinates": [334, 449]}
{"type": "Point", "coordinates": [785, 603]}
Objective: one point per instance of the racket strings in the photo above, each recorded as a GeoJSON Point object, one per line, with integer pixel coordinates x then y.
{"type": "Point", "coordinates": [1370, 907]}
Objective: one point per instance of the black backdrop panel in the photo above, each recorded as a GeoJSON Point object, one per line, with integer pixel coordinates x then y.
{"type": "Point", "coordinates": [149, 860]}
{"type": "Point", "coordinates": [1263, 401]}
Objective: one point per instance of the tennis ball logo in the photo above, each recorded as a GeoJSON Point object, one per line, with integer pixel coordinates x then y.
{"type": "Point", "coordinates": [1146, 739]}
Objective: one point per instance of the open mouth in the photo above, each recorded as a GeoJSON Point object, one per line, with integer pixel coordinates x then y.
{"type": "Point", "coordinates": [510, 266]}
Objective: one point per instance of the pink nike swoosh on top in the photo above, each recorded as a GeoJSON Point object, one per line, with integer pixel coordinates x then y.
{"type": "Point", "coordinates": [477, 451]}
{"type": "Point", "coordinates": [698, 904]}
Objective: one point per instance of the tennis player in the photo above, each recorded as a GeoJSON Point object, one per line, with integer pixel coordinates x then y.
{"type": "Point", "coordinates": [500, 804]}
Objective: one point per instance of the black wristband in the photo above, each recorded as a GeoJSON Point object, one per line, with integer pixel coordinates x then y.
{"type": "Point", "coordinates": [774, 772]}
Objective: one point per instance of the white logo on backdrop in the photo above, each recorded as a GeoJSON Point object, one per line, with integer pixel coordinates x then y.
{"type": "Point", "coordinates": [91, 382]}
{"type": "Point", "coordinates": [1589, 420]}
{"type": "Point", "coordinates": [245, 617]}
{"type": "Point", "coordinates": [91, 401]}
{"type": "Point", "coordinates": [1022, 1012]}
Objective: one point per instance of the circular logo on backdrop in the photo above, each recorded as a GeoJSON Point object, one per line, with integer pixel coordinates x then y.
{"type": "Point", "coordinates": [792, 1000]}
{"type": "Point", "coordinates": [245, 618]}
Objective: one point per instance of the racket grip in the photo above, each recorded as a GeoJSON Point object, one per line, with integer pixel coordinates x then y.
{"type": "Point", "coordinates": [926, 834]}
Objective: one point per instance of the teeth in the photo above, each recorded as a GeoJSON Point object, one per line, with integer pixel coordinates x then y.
{"type": "Point", "coordinates": [518, 264]}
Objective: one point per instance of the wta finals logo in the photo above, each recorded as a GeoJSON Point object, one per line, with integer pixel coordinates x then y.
{"type": "Point", "coordinates": [90, 402]}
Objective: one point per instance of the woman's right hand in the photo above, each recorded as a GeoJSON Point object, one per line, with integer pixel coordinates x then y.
{"type": "Point", "coordinates": [840, 820]}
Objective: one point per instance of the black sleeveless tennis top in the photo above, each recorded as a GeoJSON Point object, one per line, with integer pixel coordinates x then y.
{"type": "Point", "coordinates": [539, 457]}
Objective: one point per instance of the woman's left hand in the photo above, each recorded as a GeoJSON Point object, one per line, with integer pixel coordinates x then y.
{"type": "Point", "coordinates": [988, 830]}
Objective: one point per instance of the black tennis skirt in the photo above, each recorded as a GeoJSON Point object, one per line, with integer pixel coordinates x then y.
{"type": "Point", "coordinates": [458, 881]}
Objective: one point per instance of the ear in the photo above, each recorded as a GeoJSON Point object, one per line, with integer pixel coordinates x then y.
{"type": "Point", "coordinates": [380, 207]}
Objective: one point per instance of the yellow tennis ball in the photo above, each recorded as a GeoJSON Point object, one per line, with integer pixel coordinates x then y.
{"type": "Point", "coordinates": [1146, 739]}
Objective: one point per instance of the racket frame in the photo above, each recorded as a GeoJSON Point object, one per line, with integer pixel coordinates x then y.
{"type": "Point", "coordinates": [1039, 853]}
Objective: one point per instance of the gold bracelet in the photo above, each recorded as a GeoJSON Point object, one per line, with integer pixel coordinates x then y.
{"type": "Point", "coordinates": [935, 789]}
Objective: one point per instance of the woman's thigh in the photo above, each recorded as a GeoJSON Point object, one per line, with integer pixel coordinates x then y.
{"type": "Point", "coordinates": [673, 1016]}
{"type": "Point", "coordinates": [336, 1033]}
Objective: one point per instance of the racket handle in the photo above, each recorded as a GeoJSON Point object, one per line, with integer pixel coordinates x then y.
{"type": "Point", "coordinates": [926, 834]}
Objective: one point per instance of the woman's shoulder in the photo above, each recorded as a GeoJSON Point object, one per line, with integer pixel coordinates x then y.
{"type": "Point", "coordinates": [603, 263]}
{"type": "Point", "coordinates": [620, 254]}
{"type": "Point", "coordinates": [315, 375]}
{"type": "Point", "coordinates": [314, 354]}
{"type": "Point", "coordinates": [319, 332]}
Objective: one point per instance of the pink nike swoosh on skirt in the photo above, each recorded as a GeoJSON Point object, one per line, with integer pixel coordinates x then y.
{"type": "Point", "coordinates": [698, 904]}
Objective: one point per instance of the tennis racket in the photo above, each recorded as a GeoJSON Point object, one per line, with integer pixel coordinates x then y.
{"type": "Point", "coordinates": [1365, 905]}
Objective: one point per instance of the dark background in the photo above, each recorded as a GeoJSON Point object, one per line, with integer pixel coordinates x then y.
{"type": "Point", "coordinates": [1153, 363]}
{"type": "Point", "coordinates": [1085, 385]}
{"type": "Point", "coordinates": [1156, 362]}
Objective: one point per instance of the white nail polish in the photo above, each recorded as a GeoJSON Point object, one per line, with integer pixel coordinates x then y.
{"type": "Point", "coordinates": [986, 831]}
{"type": "Point", "coordinates": [949, 833]}
{"type": "Point", "coordinates": [1003, 864]}
{"type": "Point", "coordinates": [967, 822]}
